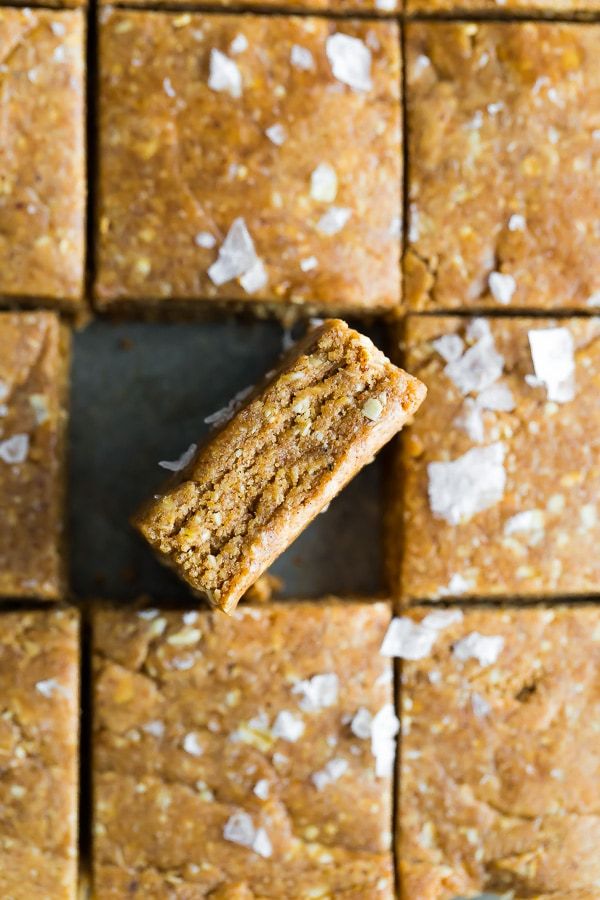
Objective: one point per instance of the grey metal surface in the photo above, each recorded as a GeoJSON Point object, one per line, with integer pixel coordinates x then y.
{"type": "Point", "coordinates": [140, 392]}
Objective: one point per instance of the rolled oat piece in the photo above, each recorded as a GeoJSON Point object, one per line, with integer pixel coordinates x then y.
{"type": "Point", "coordinates": [248, 492]}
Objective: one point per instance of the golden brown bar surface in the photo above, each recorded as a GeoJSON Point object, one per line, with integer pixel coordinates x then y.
{"type": "Point", "coordinates": [504, 154]}
{"type": "Point", "coordinates": [34, 365]}
{"type": "Point", "coordinates": [498, 483]}
{"type": "Point", "coordinates": [42, 156]}
{"type": "Point", "coordinates": [39, 686]}
{"type": "Point", "coordinates": [251, 488]}
{"type": "Point", "coordinates": [501, 754]}
{"type": "Point", "coordinates": [507, 8]}
{"type": "Point", "coordinates": [234, 757]}
{"type": "Point", "coordinates": [237, 162]}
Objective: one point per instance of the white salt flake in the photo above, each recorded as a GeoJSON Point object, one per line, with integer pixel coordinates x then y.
{"type": "Point", "coordinates": [484, 648]}
{"type": "Point", "coordinates": [502, 287]}
{"type": "Point", "coordinates": [58, 29]}
{"type": "Point", "coordinates": [384, 729]}
{"type": "Point", "coordinates": [467, 485]}
{"type": "Point", "coordinates": [288, 727]}
{"type": "Point", "coordinates": [49, 687]}
{"type": "Point", "coordinates": [420, 65]}
{"type": "Point", "coordinates": [276, 134]}
{"type": "Point", "coordinates": [223, 415]}
{"type": "Point", "coordinates": [456, 586]}
{"type": "Point", "coordinates": [526, 521]}
{"type": "Point", "coordinates": [262, 844]}
{"type": "Point", "coordinates": [406, 639]}
{"type": "Point", "coordinates": [14, 450]}
{"type": "Point", "coordinates": [333, 220]}
{"type": "Point", "coordinates": [385, 5]}
{"type": "Point", "coordinates": [471, 420]}
{"type": "Point", "coordinates": [224, 74]}
{"type": "Point", "coordinates": [449, 346]}
{"type": "Point", "coordinates": [237, 255]}
{"type": "Point", "coordinates": [318, 692]}
{"type": "Point", "coordinates": [255, 279]}
{"type": "Point", "coordinates": [517, 222]}
{"type": "Point", "coordinates": [168, 88]}
{"type": "Point", "coordinates": [301, 58]}
{"type": "Point", "coordinates": [205, 239]}
{"type": "Point", "coordinates": [323, 183]}
{"type": "Point", "coordinates": [332, 771]}
{"type": "Point", "coordinates": [239, 829]}
{"type": "Point", "coordinates": [362, 724]}
{"type": "Point", "coordinates": [238, 44]}
{"type": "Point", "coordinates": [481, 708]}
{"type": "Point", "coordinates": [553, 355]}
{"type": "Point", "coordinates": [155, 728]}
{"type": "Point", "coordinates": [497, 397]}
{"type": "Point", "coordinates": [478, 329]}
{"type": "Point", "coordinates": [192, 744]}
{"type": "Point", "coordinates": [479, 367]}
{"type": "Point", "coordinates": [594, 299]}
{"type": "Point", "coordinates": [261, 789]}
{"type": "Point", "coordinates": [177, 465]}
{"type": "Point", "coordinates": [395, 227]}
{"type": "Point", "coordinates": [308, 264]}
{"type": "Point", "coordinates": [350, 61]}
{"type": "Point", "coordinates": [442, 618]}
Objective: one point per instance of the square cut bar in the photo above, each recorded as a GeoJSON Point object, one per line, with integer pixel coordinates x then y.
{"type": "Point", "coordinates": [504, 154]}
{"type": "Point", "coordinates": [42, 156]}
{"type": "Point", "coordinates": [500, 758]}
{"type": "Point", "coordinates": [497, 493]}
{"type": "Point", "coordinates": [34, 365]}
{"type": "Point", "coordinates": [39, 736]}
{"type": "Point", "coordinates": [249, 158]}
{"type": "Point", "coordinates": [248, 492]}
{"type": "Point", "coordinates": [243, 757]}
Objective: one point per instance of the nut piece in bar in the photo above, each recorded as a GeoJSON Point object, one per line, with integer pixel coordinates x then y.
{"type": "Point", "coordinates": [497, 491]}
{"type": "Point", "coordinates": [34, 364]}
{"type": "Point", "coordinates": [500, 753]}
{"type": "Point", "coordinates": [504, 153]}
{"type": "Point", "coordinates": [248, 159]}
{"type": "Point", "coordinates": [42, 156]}
{"type": "Point", "coordinates": [247, 493]}
{"type": "Point", "coordinates": [243, 757]}
{"type": "Point", "coordinates": [39, 734]}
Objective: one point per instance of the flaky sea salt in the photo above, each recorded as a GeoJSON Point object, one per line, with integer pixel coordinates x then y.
{"type": "Point", "coordinates": [308, 264]}
{"type": "Point", "coordinates": [192, 744]}
{"type": "Point", "coordinates": [350, 61]}
{"type": "Point", "coordinates": [467, 485]}
{"type": "Point", "coordinates": [323, 183]}
{"type": "Point", "coordinates": [224, 75]}
{"type": "Point", "coordinates": [481, 708]}
{"type": "Point", "coordinates": [484, 648]}
{"type": "Point", "coordinates": [479, 367]}
{"type": "Point", "coordinates": [255, 279]}
{"type": "Point", "coordinates": [332, 771]}
{"type": "Point", "coordinates": [288, 727]}
{"type": "Point", "coordinates": [205, 239]}
{"type": "Point", "coordinates": [317, 692]}
{"type": "Point", "coordinates": [237, 259]}
{"type": "Point", "coordinates": [526, 521]}
{"type": "Point", "coordinates": [362, 724]}
{"type": "Point", "coordinates": [239, 829]}
{"type": "Point", "coordinates": [301, 58]}
{"type": "Point", "coordinates": [49, 687]}
{"type": "Point", "coordinates": [456, 587]}
{"type": "Point", "coordinates": [497, 397]}
{"type": "Point", "coordinates": [406, 639]}
{"type": "Point", "coordinates": [238, 44]}
{"type": "Point", "coordinates": [442, 618]}
{"type": "Point", "coordinates": [276, 134]}
{"type": "Point", "coordinates": [14, 450]}
{"type": "Point", "coordinates": [333, 220]}
{"type": "Point", "coordinates": [502, 287]}
{"type": "Point", "coordinates": [261, 789]}
{"type": "Point", "coordinates": [516, 222]}
{"type": "Point", "coordinates": [384, 728]}
{"type": "Point", "coordinates": [177, 465]}
{"type": "Point", "coordinates": [553, 356]}
{"type": "Point", "coordinates": [449, 346]}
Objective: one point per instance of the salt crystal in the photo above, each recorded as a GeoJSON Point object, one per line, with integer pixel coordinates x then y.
{"type": "Point", "coordinates": [156, 729]}
{"type": "Point", "coordinates": [484, 648]}
{"type": "Point", "coordinates": [332, 771]}
{"type": "Point", "coordinates": [276, 134]}
{"type": "Point", "coordinates": [553, 355]}
{"type": "Point", "coordinates": [261, 789]}
{"type": "Point", "coordinates": [457, 585]}
{"type": "Point", "coordinates": [362, 724]}
{"type": "Point", "coordinates": [350, 61]}
{"type": "Point", "coordinates": [14, 449]}
{"type": "Point", "coordinates": [301, 58]}
{"type": "Point", "coordinates": [467, 485]}
{"type": "Point", "coordinates": [58, 29]}
{"type": "Point", "coordinates": [192, 744]}
{"type": "Point", "coordinates": [333, 220]}
{"type": "Point", "coordinates": [168, 88]}
{"type": "Point", "coordinates": [449, 346]}
{"type": "Point", "coordinates": [49, 688]}
{"type": "Point", "coordinates": [516, 222]}
{"type": "Point", "coordinates": [496, 397]}
{"type": "Point", "coordinates": [262, 844]}
{"type": "Point", "coordinates": [205, 239]}
{"type": "Point", "coordinates": [288, 727]}
{"type": "Point", "coordinates": [323, 183]}
{"type": "Point", "coordinates": [594, 299]}
{"type": "Point", "coordinates": [502, 287]}
{"type": "Point", "coordinates": [236, 254]}
{"type": "Point", "coordinates": [308, 264]}
{"type": "Point", "coordinates": [385, 5]}
{"type": "Point", "coordinates": [239, 44]}
{"type": "Point", "coordinates": [481, 708]}
{"type": "Point", "coordinates": [478, 329]}
{"type": "Point", "coordinates": [255, 279]}
{"type": "Point", "coordinates": [442, 618]}
{"type": "Point", "coordinates": [224, 74]}
{"type": "Point", "coordinates": [395, 227]}
{"type": "Point", "coordinates": [528, 520]}
{"type": "Point", "coordinates": [384, 729]}
{"type": "Point", "coordinates": [177, 465]}
{"type": "Point", "coordinates": [406, 639]}
{"type": "Point", "coordinates": [471, 420]}
{"type": "Point", "coordinates": [239, 829]}
{"type": "Point", "coordinates": [479, 367]}
{"type": "Point", "coordinates": [318, 692]}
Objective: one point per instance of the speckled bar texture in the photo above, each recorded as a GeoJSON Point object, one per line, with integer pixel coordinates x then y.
{"type": "Point", "coordinates": [501, 470]}
{"type": "Point", "coordinates": [249, 159]}
{"type": "Point", "coordinates": [500, 754]}
{"type": "Point", "coordinates": [39, 728]}
{"type": "Point", "coordinates": [504, 161]}
{"type": "Point", "coordinates": [34, 367]}
{"type": "Point", "coordinates": [42, 156]}
{"type": "Point", "coordinates": [243, 758]}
